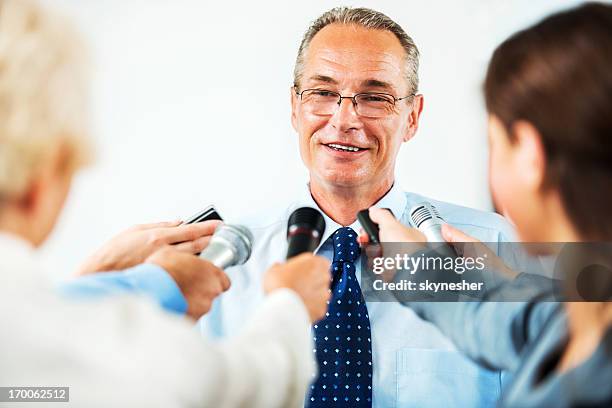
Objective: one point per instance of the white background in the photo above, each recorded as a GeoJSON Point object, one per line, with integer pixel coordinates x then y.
{"type": "Point", "coordinates": [191, 107]}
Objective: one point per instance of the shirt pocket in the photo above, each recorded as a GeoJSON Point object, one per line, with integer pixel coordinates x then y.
{"type": "Point", "coordinates": [441, 378]}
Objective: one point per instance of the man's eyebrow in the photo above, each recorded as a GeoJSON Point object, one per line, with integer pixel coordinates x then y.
{"type": "Point", "coordinates": [368, 83]}
{"type": "Point", "coordinates": [323, 78]}
{"type": "Point", "coordinates": [375, 83]}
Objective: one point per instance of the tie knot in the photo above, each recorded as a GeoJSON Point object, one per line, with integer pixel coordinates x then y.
{"type": "Point", "coordinates": [346, 248]}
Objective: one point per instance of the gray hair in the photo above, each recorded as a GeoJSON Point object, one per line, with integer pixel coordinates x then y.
{"type": "Point", "coordinates": [366, 18]}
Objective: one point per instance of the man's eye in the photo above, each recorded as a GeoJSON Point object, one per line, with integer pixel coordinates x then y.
{"type": "Point", "coordinates": [323, 92]}
{"type": "Point", "coordinates": [375, 99]}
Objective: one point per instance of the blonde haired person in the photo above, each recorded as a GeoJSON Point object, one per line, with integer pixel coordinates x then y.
{"type": "Point", "coordinates": [120, 351]}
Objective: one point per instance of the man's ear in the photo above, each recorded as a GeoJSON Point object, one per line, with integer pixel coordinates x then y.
{"type": "Point", "coordinates": [530, 153]}
{"type": "Point", "coordinates": [413, 119]}
{"type": "Point", "coordinates": [294, 102]}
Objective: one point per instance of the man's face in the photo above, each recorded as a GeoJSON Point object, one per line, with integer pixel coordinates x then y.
{"type": "Point", "coordinates": [348, 60]}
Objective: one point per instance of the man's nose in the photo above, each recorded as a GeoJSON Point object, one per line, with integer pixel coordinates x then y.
{"type": "Point", "coordinates": [346, 117]}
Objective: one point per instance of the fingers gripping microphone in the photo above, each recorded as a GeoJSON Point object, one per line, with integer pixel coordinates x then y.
{"type": "Point", "coordinates": [304, 231]}
{"type": "Point", "coordinates": [230, 245]}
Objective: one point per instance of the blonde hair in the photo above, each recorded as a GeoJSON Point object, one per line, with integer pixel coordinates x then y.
{"type": "Point", "coordinates": [42, 93]}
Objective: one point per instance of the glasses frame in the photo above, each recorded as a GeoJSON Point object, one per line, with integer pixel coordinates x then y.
{"type": "Point", "coordinates": [352, 98]}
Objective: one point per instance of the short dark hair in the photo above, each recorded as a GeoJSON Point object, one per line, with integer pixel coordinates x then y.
{"type": "Point", "coordinates": [557, 75]}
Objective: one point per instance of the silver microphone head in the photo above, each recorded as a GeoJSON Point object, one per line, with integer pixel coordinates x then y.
{"type": "Point", "coordinates": [426, 218]}
{"type": "Point", "coordinates": [230, 245]}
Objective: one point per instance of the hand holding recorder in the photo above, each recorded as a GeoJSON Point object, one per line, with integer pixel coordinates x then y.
{"type": "Point", "coordinates": [132, 246]}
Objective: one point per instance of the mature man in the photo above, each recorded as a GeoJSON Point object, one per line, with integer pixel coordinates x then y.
{"type": "Point", "coordinates": [354, 103]}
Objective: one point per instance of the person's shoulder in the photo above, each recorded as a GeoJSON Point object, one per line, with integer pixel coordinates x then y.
{"type": "Point", "coordinates": [483, 225]}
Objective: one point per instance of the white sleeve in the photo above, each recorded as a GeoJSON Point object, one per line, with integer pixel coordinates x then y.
{"type": "Point", "coordinates": [268, 365]}
{"type": "Point", "coordinates": [271, 363]}
{"type": "Point", "coordinates": [126, 352]}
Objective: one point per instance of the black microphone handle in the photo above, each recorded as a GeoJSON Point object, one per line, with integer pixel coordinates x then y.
{"type": "Point", "coordinates": [304, 230]}
{"type": "Point", "coordinates": [300, 243]}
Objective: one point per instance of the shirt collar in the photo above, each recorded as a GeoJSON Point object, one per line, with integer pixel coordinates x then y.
{"type": "Point", "coordinates": [394, 199]}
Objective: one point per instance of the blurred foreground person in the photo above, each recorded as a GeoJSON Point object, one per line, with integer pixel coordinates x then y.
{"type": "Point", "coordinates": [120, 351]}
{"type": "Point", "coordinates": [548, 92]}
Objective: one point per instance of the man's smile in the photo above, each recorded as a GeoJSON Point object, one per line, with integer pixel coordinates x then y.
{"type": "Point", "coordinates": [344, 149]}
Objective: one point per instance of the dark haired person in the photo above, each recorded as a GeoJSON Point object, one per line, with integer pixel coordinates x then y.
{"type": "Point", "coordinates": [548, 91]}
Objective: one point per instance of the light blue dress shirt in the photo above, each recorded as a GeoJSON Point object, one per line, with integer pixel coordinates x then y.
{"type": "Point", "coordinates": [414, 364]}
{"type": "Point", "coordinates": [147, 279]}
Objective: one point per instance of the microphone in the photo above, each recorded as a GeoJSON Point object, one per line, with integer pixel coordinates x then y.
{"type": "Point", "coordinates": [304, 231]}
{"type": "Point", "coordinates": [230, 245]}
{"type": "Point", "coordinates": [426, 218]}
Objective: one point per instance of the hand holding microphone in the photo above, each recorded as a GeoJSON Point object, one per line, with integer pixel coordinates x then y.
{"type": "Point", "coordinates": [305, 273]}
{"type": "Point", "coordinates": [427, 225]}
{"type": "Point", "coordinates": [201, 279]}
{"type": "Point", "coordinates": [390, 229]}
{"type": "Point", "coordinates": [426, 231]}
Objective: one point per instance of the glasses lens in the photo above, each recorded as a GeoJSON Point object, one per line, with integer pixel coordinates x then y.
{"type": "Point", "coordinates": [320, 101]}
{"type": "Point", "coordinates": [374, 105]}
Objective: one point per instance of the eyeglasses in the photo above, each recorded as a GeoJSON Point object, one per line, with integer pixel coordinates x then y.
{"type": "Point", "coordinates": [367, 104]}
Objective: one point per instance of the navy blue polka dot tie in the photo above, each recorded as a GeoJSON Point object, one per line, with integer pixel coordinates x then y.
{"type": "Point", "coordinates": [342, 339]}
